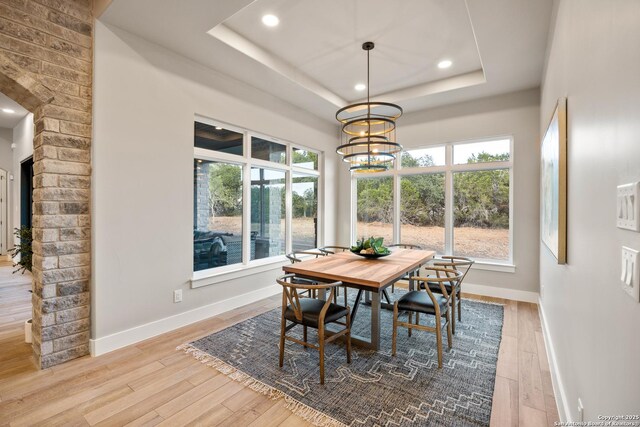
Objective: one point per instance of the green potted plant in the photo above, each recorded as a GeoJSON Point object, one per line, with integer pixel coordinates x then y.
{"type": "Point", "coordinates": [23, 252]}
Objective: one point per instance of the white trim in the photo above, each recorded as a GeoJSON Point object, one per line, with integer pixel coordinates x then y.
{"type": "Point", "coordinates": [494, 266]}
{"type": "Point", "coordinates": [235, 271]}
{"type": "Point", "coordinates": [506, 293]}
{"type": "Point", "coordinates": [556, 379]}
{"type": "Point", "coordinates": [139, 333]}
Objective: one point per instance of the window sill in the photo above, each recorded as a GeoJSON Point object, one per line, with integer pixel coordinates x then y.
{"type": "Point", "coordinates": [223, 274]}
{"type": "Point", "coordinates": [492, 266]}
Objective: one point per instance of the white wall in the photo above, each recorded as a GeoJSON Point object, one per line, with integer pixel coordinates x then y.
{"type": "Point", "coordinates": [6, 163]}
{"type": "Point", "coordinates": [145, 98]}
{"type": "Point", "coordinates": [515, 114]}
{"type": "Point", "coordinates": [23, 138]}
{"type": "Point", "coordinates": [594, 60]}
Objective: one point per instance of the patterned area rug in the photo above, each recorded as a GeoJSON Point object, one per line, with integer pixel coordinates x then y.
{"type": "Point", "coordinates": [376, 389]}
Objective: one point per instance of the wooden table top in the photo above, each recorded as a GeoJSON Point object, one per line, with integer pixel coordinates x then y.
{"type": "Point", "coordinates": [353, 269]}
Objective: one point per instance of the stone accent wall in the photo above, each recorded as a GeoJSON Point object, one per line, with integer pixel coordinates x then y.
{"type": "Point", "coordinates": [49, 44]}
{"type": "Point", "coordinates": [201, 196]}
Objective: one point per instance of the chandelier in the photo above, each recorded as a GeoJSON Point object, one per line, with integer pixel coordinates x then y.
{"type": "Point", "coordinates": [368, 132]}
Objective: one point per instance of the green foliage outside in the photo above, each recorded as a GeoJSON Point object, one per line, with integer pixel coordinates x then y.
{"type": "Point", "coordinates": [481, 198]}
{"type": "Point", "coordinates": [225, 181]}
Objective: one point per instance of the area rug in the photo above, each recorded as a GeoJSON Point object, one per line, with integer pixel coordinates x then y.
{"type": "Point", "coordinates": [376, 389]}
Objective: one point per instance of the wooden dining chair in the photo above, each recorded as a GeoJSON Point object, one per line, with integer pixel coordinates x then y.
{"type": "Point", "coordinates": [462, 264]}
{"type": "Point", "coordinates": [334, 249]}
{"type": "Point", "coordinates": [404, 246]}
{"type": "Point", "coordinates": [312, 313]}
{"type": "Point", "coordinates": [426, 302]}
{"type": "Point", "coordinates": [299, 256]}
{"type": "Point", "coordinates": [330, 250]}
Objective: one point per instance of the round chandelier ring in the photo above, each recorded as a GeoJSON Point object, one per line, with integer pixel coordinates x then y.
{"type": "Point", "coordinates": [355, 158]}
{"type": "Point", "coordinates": [365, 107]}
{"type": "Point", "coordinates": [368, 123]}
{"type": "Point", "coordinates": [395, 148]}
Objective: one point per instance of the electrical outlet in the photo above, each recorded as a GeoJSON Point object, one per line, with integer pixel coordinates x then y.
{"type": "Point", "coordinates": [580, 411]}
{"type": "Point", "coordinates": [177, 295]}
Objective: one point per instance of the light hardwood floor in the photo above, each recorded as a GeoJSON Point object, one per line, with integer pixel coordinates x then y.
{"type": "Point", "coordinates": [151, 383]}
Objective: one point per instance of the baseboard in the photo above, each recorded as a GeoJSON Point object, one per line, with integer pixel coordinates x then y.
{"type": "Point", "coordinates": [506, 293]}
{"type": "Point", "coordinates": [127, 337]}
{"type": "Point", "coordinates": [556, 378]}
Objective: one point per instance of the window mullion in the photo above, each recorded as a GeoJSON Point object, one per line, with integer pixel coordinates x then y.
{"type": "Point", "coordinates": [396, 208]}
{"type": "Point", "coordinates": [448, 201]}
{"type": "Point", "coordinates": [288, 211]}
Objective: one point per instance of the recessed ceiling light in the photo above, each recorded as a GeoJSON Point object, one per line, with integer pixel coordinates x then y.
{"type": "Point", "coordinates": [8, 110]}
{"type": "Point", "coordinates": [444, 64]}
{"type": "Point", "coordinates": [270, 20]}
{"type": "Point", "coordinates": [360, 86]}
{"type": "Point", "coordinates": [218, 128]}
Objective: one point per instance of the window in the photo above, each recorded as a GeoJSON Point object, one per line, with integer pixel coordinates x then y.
{"type": "Point", "coordinates": [305, 211]}
{"type": "Point", "coordinates": [422, 210]}
{"type": "Point", "coordinates": [375, 208]}
{"type": "Point", "coordinates": [268, 212]}
{"type": "Point", "coordinates": [454, 198]}
{"type": "Point", "coordinates": [424, 157]}
{"type": "Point", "coordinates": [217, 238]}
{"type": "Point", "coordinates": [267, 150]}
{"type": "Point", "coordinates": [305, 159]}
{"type": "Point", "coordinates": [246, 187]}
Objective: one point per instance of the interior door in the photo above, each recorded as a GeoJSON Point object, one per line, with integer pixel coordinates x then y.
{"type": "Point", "coordinates": [3, 212]}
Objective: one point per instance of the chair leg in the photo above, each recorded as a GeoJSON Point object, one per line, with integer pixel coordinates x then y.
{"type": "Point", "coordinates": [460, 305]}
{"type": "Point", "coordinates": [453, 310]}
{"type": "Point", "coordinates": [305, 335]}
{"type": "Point", "coordinates": [409, 322]}
{"type": "Point", "coordinates": [345, 298]}
{"type": "Point", "coordinates": [417, 318]}
{"type": "Point", "coordinates": [394, 337]}
{"type": "Point", "coordinates": [282, 334]}
{"type": "Point", "coordinates": [348, 336]}
{"type": "Point", "coordinates": [439, 341]}
{"type": "Point", "coordinates": [449, 330]}
{"type": "Point", "coordinates": [321, 348]}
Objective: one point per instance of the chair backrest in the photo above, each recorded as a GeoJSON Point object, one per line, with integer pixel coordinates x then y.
{"type": "Point", "coordinates": [333, 249]}
{"type": "Point", "coordinates": [290, 293]}
{"type": "Point", "coordinates": [405, 246]}
{"type": "Point", "coordinates": [442, 275]}
{"type": "Point", "coordinates": [459, 263]}
{"type": "Point", "coordinates": [298, 256]}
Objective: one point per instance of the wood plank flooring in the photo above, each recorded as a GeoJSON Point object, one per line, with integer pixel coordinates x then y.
{"type": "Point", "coordinates": [151, 383]}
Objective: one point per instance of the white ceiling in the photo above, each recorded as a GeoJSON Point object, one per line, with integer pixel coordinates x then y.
{"type": "Point", "coordinates": [10, 120]}
{"type": "Point", "coordinates": [314, 57]}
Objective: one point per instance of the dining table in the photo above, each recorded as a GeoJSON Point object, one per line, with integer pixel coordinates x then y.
{"type": "Point", "coordinates": [369, 275]}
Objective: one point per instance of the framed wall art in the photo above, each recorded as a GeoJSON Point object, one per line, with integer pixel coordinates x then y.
{"type": "Point", "coordinates": [553, 186]}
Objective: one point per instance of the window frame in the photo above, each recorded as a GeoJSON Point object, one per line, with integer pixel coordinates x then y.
{"type": "Point", "coordinates": [448, 169]}
{"type": "Point", "coordinates": [247, 266]}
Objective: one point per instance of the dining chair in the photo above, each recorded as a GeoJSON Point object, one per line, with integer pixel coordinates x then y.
{"type": "Point", "coordinates": [404, 246]}
{"type": "Point", "coordinates": [334, 249]}
{"type": "Point", "coordinates": [330, 250]}
{"type": "Point", "coordinates": [312, 313]}
{"type": "Point", "coordinates": [426, 302]}
{"type": "Point", "coordinates": [462, 264]}
{"type": "Point", "coordinates": [299, 256]}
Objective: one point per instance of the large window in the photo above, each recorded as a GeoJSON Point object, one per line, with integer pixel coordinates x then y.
{"type": "Point", "coordinates": [375, 208]}
{"type": "Point", "coordinates": [254, 197]}
{"type": "Point", "coordinates": [454, 198]}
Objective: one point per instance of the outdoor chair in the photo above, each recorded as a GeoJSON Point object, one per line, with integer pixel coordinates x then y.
{"type": "Point", "coordinates": [426, 302]}
{"type": "Point", "coordinates": [312, 313]}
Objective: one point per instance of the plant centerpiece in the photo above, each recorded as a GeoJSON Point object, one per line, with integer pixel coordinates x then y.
{"type": "Point", "coordinates": [22, 249]}
{"type": "Point", "coordinates": [371, 247]}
